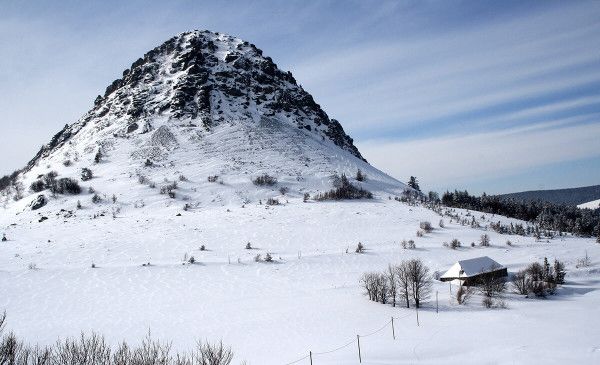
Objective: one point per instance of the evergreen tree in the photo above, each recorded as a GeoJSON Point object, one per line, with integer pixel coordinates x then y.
{"type": "Point", "coordinates": [414, 183]}
{"type": "Point", "coordinates": [559, 272]}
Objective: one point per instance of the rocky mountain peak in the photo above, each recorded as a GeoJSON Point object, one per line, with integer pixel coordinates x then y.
{"type": "Point", "coordinates": [203, 78]}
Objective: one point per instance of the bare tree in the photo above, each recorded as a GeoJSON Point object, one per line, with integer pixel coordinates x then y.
{"type": "Point", "coordinates": [213, 354]}
{"type": "Point", "coordinates": [392, 283]}
{"type": "Point", "coordinates": [521, 282]}
{"type": "Point", "coordinates": [463, 294]}
{"type": "Point", "coordinates": [403, 286]}
{"type": "Point", "coordinates": [491, 286]}
{"type": "Point", "coordinates": [419, 281]}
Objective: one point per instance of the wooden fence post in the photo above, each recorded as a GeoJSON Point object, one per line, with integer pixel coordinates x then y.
{"type": "Point", "coordinates": [359, 355]}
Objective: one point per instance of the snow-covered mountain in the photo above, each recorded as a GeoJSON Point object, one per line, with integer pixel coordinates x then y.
{"type": "Point", "coordinates": [202, 104]}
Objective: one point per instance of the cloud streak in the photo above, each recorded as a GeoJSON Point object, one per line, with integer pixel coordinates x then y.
{"type": "Point", "coordinates": [456, 160]}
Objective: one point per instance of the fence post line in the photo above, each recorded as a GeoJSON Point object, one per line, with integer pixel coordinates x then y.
{"type": "Point", "coordinates": [359, 355]}
{"type": "Point", "coordinates": [310, 354]}
{"type": "Point", "coordinates": [436, 301]}
{"type": "Point", "coordinates": [393, 331]}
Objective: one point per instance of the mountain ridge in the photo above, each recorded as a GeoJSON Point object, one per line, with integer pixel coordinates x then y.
{"type": "Point", "coordinates": [569, 196]}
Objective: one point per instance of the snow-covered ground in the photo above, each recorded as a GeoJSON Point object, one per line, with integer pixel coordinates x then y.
{"type": "Point", "coordinates": [309, 299]}
{"type": "Point", "coordinates": [595, 204]}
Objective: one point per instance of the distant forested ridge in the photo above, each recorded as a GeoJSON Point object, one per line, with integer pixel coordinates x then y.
{"type": "Point", "coordinates": [557, 217]}
{"type": "Point", "coordinates": [572, 196]}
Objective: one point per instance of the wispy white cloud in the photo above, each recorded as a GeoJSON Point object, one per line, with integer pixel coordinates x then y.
{"type": "Point", "coordinates": [406, 81]}
{"type": "Point", "coordinates": [456, 160]}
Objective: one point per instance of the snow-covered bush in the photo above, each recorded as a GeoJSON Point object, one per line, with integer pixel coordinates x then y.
{"type": "Point", "coordinates": [94, 349]}
{"type": "Point", "coordinates": [86, 174]}
{"type": "Point", "coordinates": [67, 185]}
{"type": "Point", "coordinates": [272, 201]}
{"type": "Point", "coordinates": [265, 179]}
{"type": "Point", "coordinates": [484, 240]}
{"type": "Point", "coordinates": [360, 176]}
{"type": "Point", "coordinates": [306, 197]}
{"type": "Point", "coordinates": [96, 199]}
{"type": "Point", "coordinates": [213, 178]}
{"type": "Point", "coordinates": [360, 248]}
{"type": "Point", "coordinates": [37, 186]}
{"type": "Point", "coordinates": [426, 226]}
{"type": "Point", "coordinates": [343, 189]}
{"type": "Point", "coordinates": [284, 190]}
{"type": "Point", "coordinates": [463, 294]}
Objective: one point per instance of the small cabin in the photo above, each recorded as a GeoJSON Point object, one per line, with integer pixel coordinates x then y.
{"type": "Point", "coordinates": [467, 272]}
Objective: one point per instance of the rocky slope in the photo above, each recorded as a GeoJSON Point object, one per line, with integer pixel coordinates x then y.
{"type": "Point", "coordinates": [202, 104]}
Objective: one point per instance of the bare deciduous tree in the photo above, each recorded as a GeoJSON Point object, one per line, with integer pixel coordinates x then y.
{"type": "Point", "coordinates": [419, 281]}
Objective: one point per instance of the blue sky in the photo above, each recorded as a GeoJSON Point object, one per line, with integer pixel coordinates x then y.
{"type": "Point", "coordinates": [484, 95]}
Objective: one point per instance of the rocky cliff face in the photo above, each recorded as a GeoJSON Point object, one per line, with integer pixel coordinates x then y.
{"type": "Point", "coordinates": [203, 79]}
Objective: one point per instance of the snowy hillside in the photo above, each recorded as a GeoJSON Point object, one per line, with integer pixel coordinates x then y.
{"type": "Point", "coordinates": [309, 298]}
{"type": "Point", "coordinates": [595, 204]}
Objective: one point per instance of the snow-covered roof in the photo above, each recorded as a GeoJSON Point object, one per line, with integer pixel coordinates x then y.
{"type": "Point", "coordinates": [472, 267]}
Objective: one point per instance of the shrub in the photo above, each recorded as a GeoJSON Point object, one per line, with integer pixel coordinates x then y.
{"type": "Point", "coordinates": [213, 178]}
{"type": "Point", "coordinates": [96, 199]}
{"type": "Point", "coordinates": [169, 189]}
{"type": "Point", "coordinates": [284, 190]}
{"type": "Point", "coordinates": [584, 261]}
{"type": "Point", "coordinates": [67, 185]}
{"type": "Point", "coordinates": [426, 226]}
{"type": "Point", "coordinates": [487, 302]}
{"type": "Point", "coordinates": [94, 349]}
{"type": "Point", "coordinates": [257, 258]}
{"type": "Point", "coordinates": [248, 246]}
{"type": "Point", "coordinates": [360, 248]}
{"type": "Point", "coordinates": [360, 176]}
{"type": "Point", "coordinates": [343, 189]}
{"type": "Point", "coordinates": [192, 260]}
{"type": "Point", "coordinates": [441, 224]}
{"type": "Point", "coordinates": [419, 233]}
{"type": "Point", "coordinates": [67, 163]}
{"type": "Point", "coordinates": [463, 294]}
{"type": "Point", "coordinates": [202, 248]}
{"type": "Point", "coordinates": [98, 156]}
{"type": "Point", "coordinates": [268, 257]}
{"type": "Point", "coordinates": [484, 240]}
{"type": "Point", "coordinates": [454, 244]}
{"type": "Point", "coordinates": [306, 197]}
{"type": "Point", "coordinates": [182, 178]}
{"type": "Point", "coordinates": [37, 186]}
{"type": "Point", "coordinates": [272, 201]}
{"type": "Point", "coordinates": [265, 179]}
{"type": "Point", "coordinates": [411, 244]}
{"type": "Point", "coordinates": [86, 174]}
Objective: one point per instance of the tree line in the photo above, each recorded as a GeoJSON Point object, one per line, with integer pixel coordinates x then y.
{"type": "Point", "coordinates": [549, 216]}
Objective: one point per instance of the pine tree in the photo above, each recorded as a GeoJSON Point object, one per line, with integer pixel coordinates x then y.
{"type": "Point", "coordinates": [559, 272]}
{"type": "Point", "coordinates": [414, 183]}
{"type": "Point", "coordinates": [548, 277]}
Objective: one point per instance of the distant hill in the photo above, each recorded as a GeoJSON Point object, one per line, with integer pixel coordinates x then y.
{"type": "Point", "coordinates": [572, 196]}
